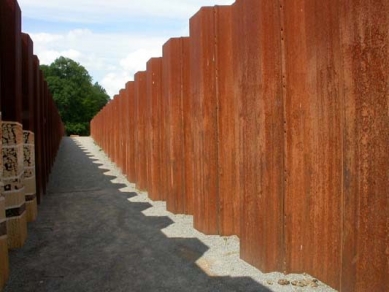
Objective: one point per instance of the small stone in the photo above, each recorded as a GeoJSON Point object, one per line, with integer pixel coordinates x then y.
{"type": "Point", "coordinates": [299, 283]}
{"type": "Point", "coordinates": [314, 285]}
{"type": "Point", "coordinates": [283, 282]}
{"type": "Point", "coordinates": [269, 282]}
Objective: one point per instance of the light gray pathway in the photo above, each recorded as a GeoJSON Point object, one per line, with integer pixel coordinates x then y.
{"type": "Point", "coordinates": [95, 232]}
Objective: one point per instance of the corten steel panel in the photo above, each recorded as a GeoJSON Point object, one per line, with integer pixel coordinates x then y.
{"type": "Point", "coordinates": [28, 117]}
{"type": "Point", "coordinates": [130, 90]}
{"type": "Point", "coordinates": [187, 115]}
{"type": "Point", "coordinates": [203, 93]}
{"type": "Point", "coordinates": [114, 114]}
{"type": "Point", "coordinates": [365, 48]}
{"type": "Point", "coordinates": [125, 130]}
{"type": "Point", "coordinates": [38, 128]}
{"type": "Point", "coordinates": [11, 65]}
{"type": "Point", "coordinates": [148, 134]}
{"type": "Point", "coordinates": [313, 188]}
{"type": "Point", "coordinates": [154, 92]}
{"type": "Point", "coordinates": [122, 129]}
{"type": "Point", "coordinates": [195, 92]}
{"type": "Point", "coordinates": [257, 82]}
{"type": "Point", "coordinates": [227, 125]}
{"type": "Point", "coordinates": [172, 92]}
{"type": "Point", "coordinates": [163, 188]}
{"type": "Point", "coordinates": [45, 134]}
{"type": "Point", "coordinates": [140, 151]}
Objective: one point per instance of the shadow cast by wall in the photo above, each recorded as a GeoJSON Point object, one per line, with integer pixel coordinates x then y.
{"type": "Point", "coordinates": [89, 237]}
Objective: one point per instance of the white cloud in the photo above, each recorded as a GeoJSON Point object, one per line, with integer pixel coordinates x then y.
{"type": "Point", "coordinates": [92, 11]}
{"type": "Point", "coordinates": [111, 39]}
{"type": "Point", "coordinates": [111, 59]}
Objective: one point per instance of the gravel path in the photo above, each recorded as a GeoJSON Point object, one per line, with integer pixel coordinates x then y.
{"type": "Point", "coordinates": [96, 232]}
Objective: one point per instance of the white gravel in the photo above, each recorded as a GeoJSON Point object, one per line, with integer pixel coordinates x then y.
{"type": "Point", "coordinates": [222, 257]}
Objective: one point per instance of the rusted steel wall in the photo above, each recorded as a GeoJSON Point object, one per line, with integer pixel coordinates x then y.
{"type": "Point", "coordinates": [154, 95]}
{"type": "Point", "coordinates": [31, 132]}
{"type": "Point", "coordinates": [140, 147]}
{"type": "Point", "coordinates": [217, 205]}
{"type": "Point", "coordinates": [364, 30]}
{"type": "Point", "coordinates": [274, 125]}
{"type": "Point", "coordinates": [203, 94]}
{"type": "Point", "coordinates": [130, 90]}
{"type": "Point", "coordinates": [172, 92]}
{"type": "Point", "coordinates": [258, 90]}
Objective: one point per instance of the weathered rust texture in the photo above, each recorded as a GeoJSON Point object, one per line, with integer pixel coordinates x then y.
{"type": "Point", "coordinates": [130, 90]}
{"type": "Point", "coordinates": [38, 128]}
{"type": "Point", "coordinates": [172, 93]}
{"type": "Point", "coordinates": [27, 83]}
{"type": "Point", "coordinates": [140, 151]}
{"type": "Point", "coordinates": [217, 202]}
{"type": "Point", "coordinates": [365, 51]}
{"type": "Point", "coordinates": [154, 93]}
{"type": "Point", "coordinates": [148, 132]}
{"type": "Point", "coordinates": [11, 64]}
{"type": "Point", "coordinates": [187, 118]}
{"type": "Point", "coordinates": [123, 127]}
{"type": "Point", "coordinates": [206, 204]}
{"type": "Point", "coordinates": [164, 151]}
{"type": "Point", "coordinates": [313, 157]}
{"type": "Point", "coordinates": [257, 75]}
{"type": "Point", "coordinates": [229, 199]}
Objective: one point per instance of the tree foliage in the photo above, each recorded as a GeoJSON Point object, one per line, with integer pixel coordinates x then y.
{"type": "Point", "coordinates": [78, 100]}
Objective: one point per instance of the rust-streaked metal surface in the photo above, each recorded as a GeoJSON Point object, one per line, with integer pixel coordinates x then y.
{"type": "Point", "coordinates": [25, 95]}
{"type": "Point", "coordinates": [365, 52]}
{"type": "Point", "coordinates": [122, 132]}
{"type": "Point", "coordinates": [257, 75]}
{"type": "Point", "coordinates": [187, 116]}
{"type": "Point", "coordinates": [282, 137]}
{"type": "Point", "coordinates": [164, 147]}
{"type": "Point", "coordinates": [28, 117]}
{"type": "Point", "coordinates": [229, 198]}
{"type": "Point", "coordinates": [154, 93]}
{"type": "Point", "coordinates": [203, 93]}
{"type": "Point", "coordinates": [313, 186]}
{"type": "Point", "coordinates": [130, 90]}
{"type": "Point", "coordinates": [140, 148]}
{"type": "Point", "coordinates": [172, 93]}
{"type": "Point", "coordinates": [11, 63]}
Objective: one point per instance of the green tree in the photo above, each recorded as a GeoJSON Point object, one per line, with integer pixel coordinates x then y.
{"type": "Point", "coordinates": [77, 99]}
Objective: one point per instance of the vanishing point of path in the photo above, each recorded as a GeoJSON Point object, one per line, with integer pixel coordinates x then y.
{"type": "Point", "coordinates": [90, 237]}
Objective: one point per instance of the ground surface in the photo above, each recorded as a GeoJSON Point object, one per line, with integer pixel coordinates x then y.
{"type": "Point", "coordinates": [95, 232]}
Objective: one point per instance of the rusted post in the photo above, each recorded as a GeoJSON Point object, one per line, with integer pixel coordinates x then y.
{"type": "Point", "coordinates": [140, 128]}
{"type": "Point", "coordinates": [172, 94]}
{"type": "Point", "coordinates": [28, 118]}
{"type": "Point", "coordinates": [154, 92]}
{"type": "Point", "coordinates": [257, 86]}
{"type": "Point", "coordinates": [364, 27]}
{"type": "Point", "coordinates": [11, 100]}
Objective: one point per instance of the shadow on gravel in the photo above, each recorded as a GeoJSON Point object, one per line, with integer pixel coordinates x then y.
{"type": "Point", "coordinates": [89, 237]}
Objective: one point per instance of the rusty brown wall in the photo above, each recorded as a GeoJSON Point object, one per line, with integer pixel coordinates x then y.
{"type": "Point", "coordinates": [258, 90]}
{"type": "Point", "coordinates": [364, 31]}
{"type": "Point", "coordinates": [140, 147]}
{"type": "Point", "coordinates": [173, 56]}
{"type": "Point", "coordinates": [313, 152]}
{"type": "Point", "coordinates": [217, 205]}
{"type": "Point", "coordinates": [206, 203]}
{"type": "Point", "coordinates": [130, 90]}
{"type": "Point", "coordinates": [26, 105]}
{"type": "Point", "coordinates": [273, 125]}
{"type": "Point", "coordinates": [154, 94]}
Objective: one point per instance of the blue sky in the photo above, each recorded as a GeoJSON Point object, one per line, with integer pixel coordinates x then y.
{"type": "Point", "coordinates": [112, 39]}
